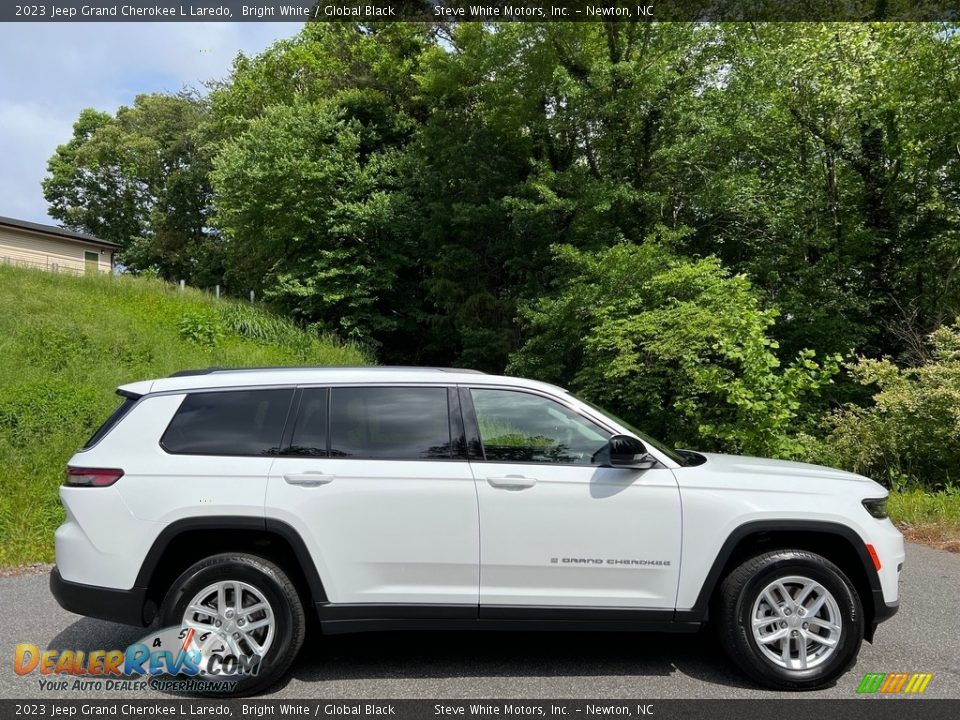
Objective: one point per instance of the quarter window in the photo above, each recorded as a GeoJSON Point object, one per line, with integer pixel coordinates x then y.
{"type": "Point", "coordinates": [387, 423]}
{"type": "Point", "coordinates": [236, 422]}
{"type": "Point", "coordinates": [115, 417]}
{"type": "Point", "coordinates": [520, 427]}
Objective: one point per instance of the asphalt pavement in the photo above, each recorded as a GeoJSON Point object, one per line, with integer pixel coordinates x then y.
{"type": "Point", "coordinates": [923, 637]}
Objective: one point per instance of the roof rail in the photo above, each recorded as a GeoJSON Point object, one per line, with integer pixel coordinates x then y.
{"type": "Point", "coordinates": [212, 370]}
{"type": "Point", "coordinates": [188, 373]}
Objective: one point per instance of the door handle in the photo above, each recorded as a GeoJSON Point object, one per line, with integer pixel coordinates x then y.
{"type": "Point", "coordinates": [308, 479]}
{"type": "Point", "coordinates": [512, 482]}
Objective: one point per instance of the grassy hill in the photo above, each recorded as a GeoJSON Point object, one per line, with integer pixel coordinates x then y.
{"type": "Point", "coordinates": [66, 343]}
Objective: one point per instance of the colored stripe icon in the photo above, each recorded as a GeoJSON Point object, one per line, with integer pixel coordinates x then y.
{"type": "Point", "coordinates": [894, 683]}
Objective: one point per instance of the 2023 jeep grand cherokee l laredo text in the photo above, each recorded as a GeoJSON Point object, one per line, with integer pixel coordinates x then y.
{"type": "Point", "coordinates": [415, 498]}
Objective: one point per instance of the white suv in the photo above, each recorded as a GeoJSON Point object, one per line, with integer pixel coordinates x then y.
{"type": "Point", "coordinates": [421, 498]}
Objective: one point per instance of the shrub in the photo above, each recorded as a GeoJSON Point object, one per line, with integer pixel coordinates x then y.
{"type": "Point", "coordinates": [910, 435]}
{"type": "Point", "coordinates": [309, 344]}
{"type": "Point", "coordinates": [679, 346]}
{"type": "Point", "coordinates": [202, 329]}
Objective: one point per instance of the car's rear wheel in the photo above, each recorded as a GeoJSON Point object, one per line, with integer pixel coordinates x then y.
{"type": "Point", "coordinates": [245, 613]}
{"type": "Point", "coordinates": [790, 619]}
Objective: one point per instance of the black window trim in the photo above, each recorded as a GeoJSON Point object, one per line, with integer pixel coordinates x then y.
{"type": "Point", "coordinates": [454, 426]}
{"type": "Point", "coordinates": [251, 388]}
{"type": "Point", "coordinates": [475, 451]}
{"type": "Point", "coordinates": [286, 442]}
{"type": "Point", "coordinates": [130, 401]}
{"type": "Point", "coordinates": [474, 445]}
{"type": "Point", "coordinates": [473, 423]}
{"type": "Point", "coordinates": [458, 435]}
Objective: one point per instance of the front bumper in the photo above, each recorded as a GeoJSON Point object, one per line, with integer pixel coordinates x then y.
{"type": "Point", "coordinates": [129, 607]}
{"type": "Point", "coordinates": [882, 611]}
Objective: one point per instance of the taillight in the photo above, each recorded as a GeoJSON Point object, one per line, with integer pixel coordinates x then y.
{"type": "Point", "coordinates": [91, 477]}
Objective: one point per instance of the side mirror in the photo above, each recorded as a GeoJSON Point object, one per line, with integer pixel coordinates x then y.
{"type": "Point", "coordinates": [623, 451]}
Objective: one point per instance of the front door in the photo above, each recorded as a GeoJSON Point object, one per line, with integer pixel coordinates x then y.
{"type": "Point", "coordinates": [555, 529]}
{"type": "Point", "coordinates": [381, 495]}
{"type": "Point", "coordinates": [91, 263]}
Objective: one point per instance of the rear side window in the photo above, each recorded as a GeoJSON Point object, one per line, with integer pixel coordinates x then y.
{"type": "Point", "coordinates": [310, 431]}
{"type": "Point", "coordinates": [115, 417]}
{"type": "Point", "coordinates": [386, 423]}
{"type": "Point", "coordinates": [235, 422]}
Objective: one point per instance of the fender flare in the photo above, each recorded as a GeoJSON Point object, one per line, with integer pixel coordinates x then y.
{"type": "Point", "coordinates": [699, 610]}
{"type": "Point", "coordinates": [233, 522]}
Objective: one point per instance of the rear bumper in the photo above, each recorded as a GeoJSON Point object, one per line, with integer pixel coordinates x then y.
{"type": "Point", "coordinates": [129, 607]}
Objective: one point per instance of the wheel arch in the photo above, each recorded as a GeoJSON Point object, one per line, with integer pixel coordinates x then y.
{"type": "Point", "coordinates": [185, 541]}
{"type": "Point", "coordinates": [838, 543]}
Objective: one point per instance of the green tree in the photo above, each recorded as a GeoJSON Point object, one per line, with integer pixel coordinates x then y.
{"type": "Point", "coordinates": [140, 178]}
{"type": "Point", "coordinates": [406, 183]}
{"type": "Point", "coordinates": [317, 63]}
{"type": "Point", "coordinates": [311, 178]}
{"type": "Point", "coordinates": [821, 160]}
{"type": "Point", "coordinates": [90, 184]}
{"type": "Point", "coordinates": [539, 133]}
{"type": "Point", "coordinates": [681, 347]}
{"type": "Point", "coordinates": [307, 200]}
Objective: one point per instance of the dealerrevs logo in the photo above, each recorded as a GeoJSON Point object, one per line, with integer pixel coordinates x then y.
{"type": "Point", "coordinates": [199, 656]}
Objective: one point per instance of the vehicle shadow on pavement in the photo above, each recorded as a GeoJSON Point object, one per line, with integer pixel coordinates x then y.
{"type": "Point", "coordinates": [445, 655]}
{"type": "Point", "coordinates": [89, 634]}
{"type": "Point", "coordinates": [436, 655]}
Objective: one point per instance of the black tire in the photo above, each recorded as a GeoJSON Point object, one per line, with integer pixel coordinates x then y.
{"type": "Point", "coordinates": [276, 588]}
{"type": "Point", "coordinates": [741, 589]}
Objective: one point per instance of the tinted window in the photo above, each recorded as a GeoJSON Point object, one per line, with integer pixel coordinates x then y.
{"type": "Point", "coordinates": [310, 430]}
{"type": "Point", "coordinates": [236, 422]}
{"type": "Point", "coordinates": [115, 417]}
{"type": "Point", "coordinates": [389, 423]}
{"type": "Point", "coordinates": [519, 427]}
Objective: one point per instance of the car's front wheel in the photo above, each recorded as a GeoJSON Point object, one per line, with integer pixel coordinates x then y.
{"type": "Point", "coordinates": [790, 619]}
{"type": "Point", "coordinates": [245, 617]}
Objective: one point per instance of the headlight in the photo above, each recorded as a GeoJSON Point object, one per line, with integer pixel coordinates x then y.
{"type": "Point", "coordinates": [876, 507]}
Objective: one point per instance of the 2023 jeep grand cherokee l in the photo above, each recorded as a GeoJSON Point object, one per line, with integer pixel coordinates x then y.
{"type": "Point", "coordinates": [415, 498]}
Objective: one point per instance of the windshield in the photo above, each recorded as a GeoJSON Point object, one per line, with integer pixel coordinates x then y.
{"type": "Point", "coordinates": [670, 453]}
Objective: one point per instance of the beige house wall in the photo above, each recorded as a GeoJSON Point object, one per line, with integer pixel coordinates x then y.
{"type": "Point", "coordinates": [34, 249]}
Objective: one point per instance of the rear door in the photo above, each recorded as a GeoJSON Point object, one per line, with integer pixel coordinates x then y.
{"type": "Point", "coordinates": [375, 480]}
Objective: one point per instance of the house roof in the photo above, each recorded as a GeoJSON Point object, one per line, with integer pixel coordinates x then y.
{"type": "Point", "coordinates": [54, 230]}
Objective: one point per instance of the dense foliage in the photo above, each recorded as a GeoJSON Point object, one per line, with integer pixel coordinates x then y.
{"type": "Point", "coordinates": [911, 430]}
{"type": "Point", "coordinates": [680, 343]}
{"type": "Point", "coordinates": [557, 198]}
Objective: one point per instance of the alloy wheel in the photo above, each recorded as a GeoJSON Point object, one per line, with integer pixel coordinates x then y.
{"type": "Point", "coordinates": [238, 612]}
{"type": "Point", "coordinates": [796, 623]}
